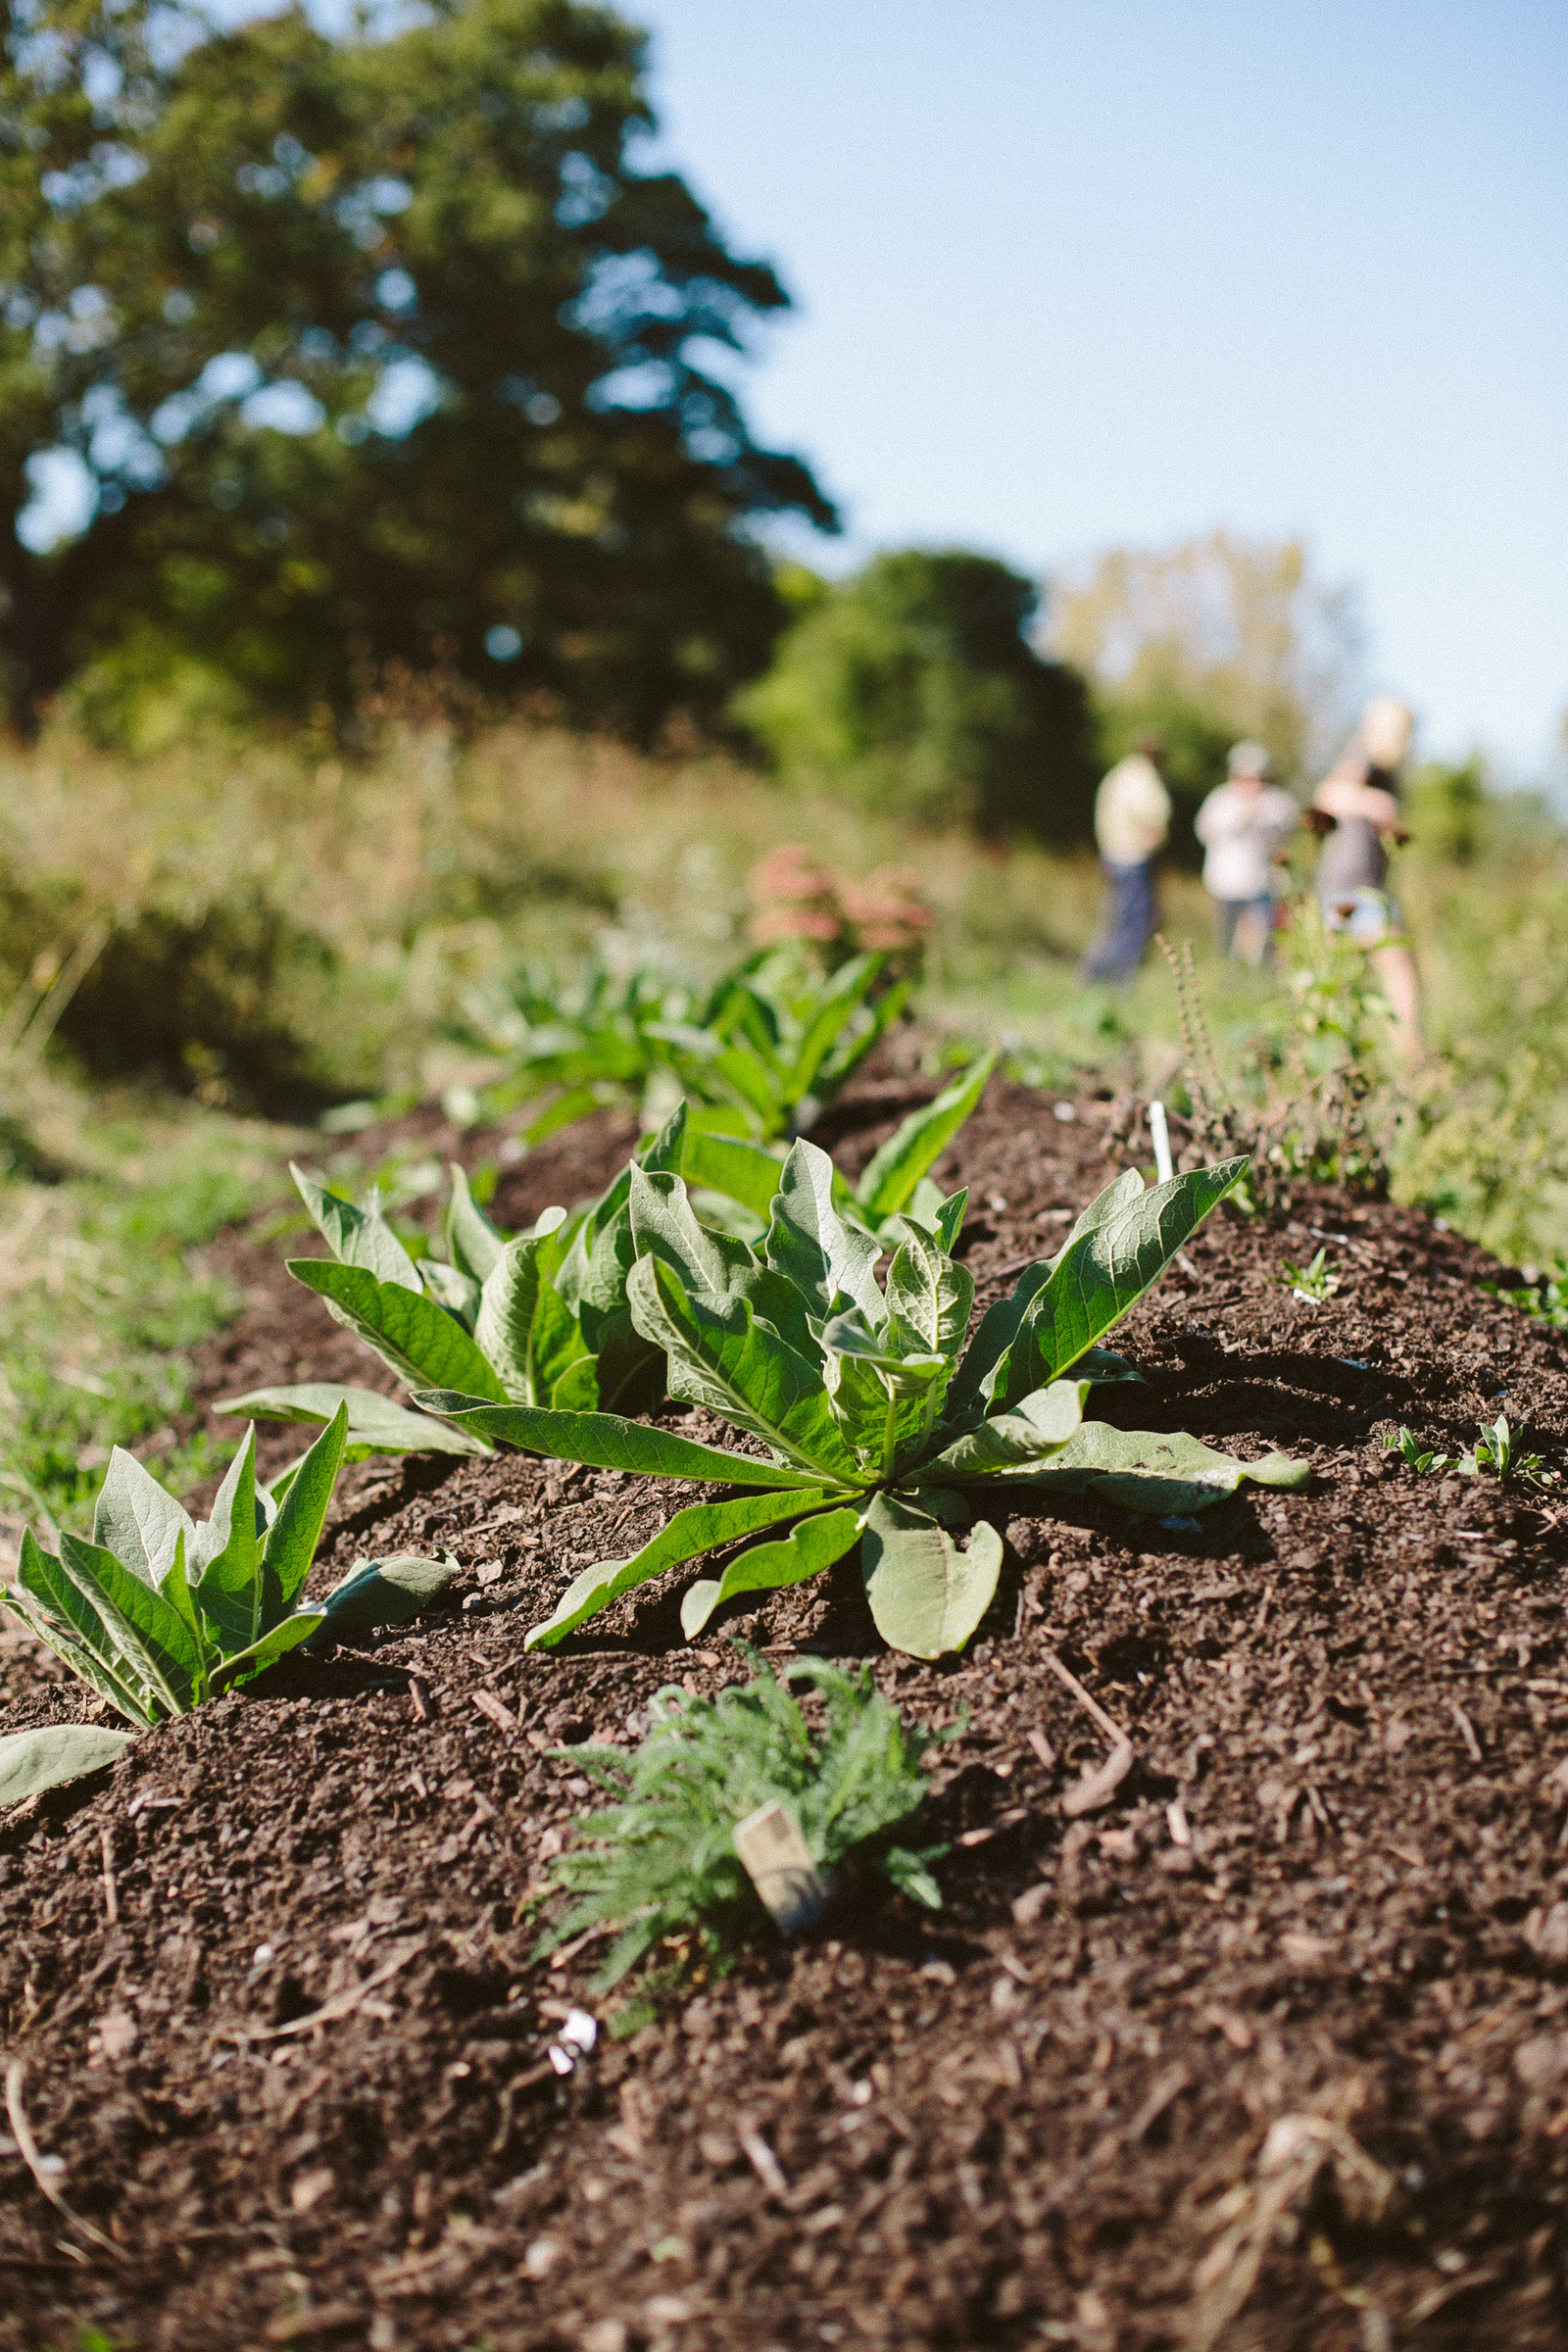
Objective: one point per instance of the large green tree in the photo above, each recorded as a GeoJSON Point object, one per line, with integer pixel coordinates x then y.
{"type": "Point", "coordinates": [375, 350]}
{"type": "Point", "coordinates": [913, 686]}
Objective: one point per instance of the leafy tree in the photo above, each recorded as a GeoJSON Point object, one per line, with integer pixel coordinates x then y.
{"type": "Point", "coordinates": [374, 350]}
{"type": "Point", "coordinates": [913, 687]}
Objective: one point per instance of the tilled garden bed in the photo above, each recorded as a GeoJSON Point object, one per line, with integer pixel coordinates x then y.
{"type": "Point", "coordinates": [1271, 2050]}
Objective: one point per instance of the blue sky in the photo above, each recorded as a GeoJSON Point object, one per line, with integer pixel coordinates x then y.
{"type": "Point", "coordinates": [1071, 275]}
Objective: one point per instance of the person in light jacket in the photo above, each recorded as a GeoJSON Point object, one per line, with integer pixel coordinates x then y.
{"type": "Point", "coordinates": [1131, 818]}
{"type": "Point", "coordinates": [1357, 809]}
{"type": "Point", "coordinates": [1243, 825]}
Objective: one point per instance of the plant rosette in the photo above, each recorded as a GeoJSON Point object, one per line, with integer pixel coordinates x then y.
{"type": "Point", "coordinates": [160, 1612]}
{"type": "Point", "coordinates": [880, 1428]}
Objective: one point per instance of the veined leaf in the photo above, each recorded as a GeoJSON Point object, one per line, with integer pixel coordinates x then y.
{"type": "Point", "coordinates": [607, 1442]}
{"type": "Point", "coordinates": [418, 1339]}
{"type": "Point", "coordinates": [389, 1592]}
{"type": "Point", "coordinates": [999, 1328]}
{"type": "Point", "coordinates": [452, 1289]}
{"type": "Point", "coordinates": [266, 1650]}
{"type": "Point", "coordinates": [136, 1520]}
{"type": "Point", "coordinates": [689, 1534]}
{"type": "Point", "coordinates": [1104, 1272]}
{"type": "Point", "coordinates": [849, 1050]}
{"type": "Point", "coordinates": [64, 1619]}
{"type": "Point", "coordinates": [933, 1296]}
{"type": "Point", "coordinates": [920, 1139]}
{"type": "Point", "coordinates": [377, 1424]}
{"type": "Point", "coordinates": [32, 1761]}
{"type": "Point", "coordinates": [292, 1538]}
{"type": "Point", "coordinates": [227, 1555]}
{"type": "Point", "coordinates": [743, 1172]}
{"type": "Point", "coordinates": [1160, 1474]}
{"type": "Point", "coordinates": [356, 1236]}
{"type": "Point", "coordinates": [147, 1630]}
{"type": "Point", "coordinates": [812, 1247]}
{"type": "Point", "coordinates": [723, 1357]}
{"type": "Point", "coordinates": [1037, 1430]}
{"type": "Point", "coordinates": [717, 1268]}
{"type": "Point", "coordinates": [848, 989]}
{"type": "Point", "coordinates": [503, 1327]}
{"type": "Point", "coordinates": [473, 1244]}
{"type": "Point", "coordinates": [628, 1372]}
{"type": "Point", "coordinates": [813, 1546]}
{"type": "Point", "coordinates": [926, 1595]}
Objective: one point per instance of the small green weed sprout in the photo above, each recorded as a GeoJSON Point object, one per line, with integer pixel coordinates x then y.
{"type": "Point", "coordinates": [1313, 1283]}
{"type": "Point", "coordinates": [1496, 1450]}
{"type": "Point", "coordinates": [1416, 1458]}
{"type": "Point", "coordinates": [659, 1864]}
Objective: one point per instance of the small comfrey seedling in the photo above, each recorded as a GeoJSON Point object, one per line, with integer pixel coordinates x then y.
{"type": "Point", "coordinates": [1312, 1283]}
{"type": "Point", "coordinates": [160, 1612]}
{"type": "Point", "coordinates": [881, 1427]}
{"type": "Point", "coordinates": [1494, 1451]}
{"type": "Point", "coordinates": [661, 1863]}
{"type": "Point", "coordinates": [1417, 1457]}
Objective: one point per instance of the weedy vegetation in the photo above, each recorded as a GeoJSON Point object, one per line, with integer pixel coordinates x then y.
{"type": "Point", "coordinates": [880, 1427]}
{"type": "Point", "coordinates": [159, 1613]}
{"type": "Point", "coordinates": [659, 1864]}
{"type": "Point", "coordinates": [1545, 1297]}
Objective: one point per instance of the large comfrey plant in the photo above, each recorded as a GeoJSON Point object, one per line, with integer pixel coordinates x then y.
{"type": "Point", "coordinates": [880, 1427]}
{"type": "Point", "coordinates": [537, 1318]}
{"type": "Point", "coordinates": [159, 1613]}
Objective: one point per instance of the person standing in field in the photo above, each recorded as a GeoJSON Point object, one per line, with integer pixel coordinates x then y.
{"type": "Point", "coordinates": [1356, 808]}
{"type": "Point", "coordinates": [1243, 825]}
{"type": "Point", "coordinates": [1131, 818]}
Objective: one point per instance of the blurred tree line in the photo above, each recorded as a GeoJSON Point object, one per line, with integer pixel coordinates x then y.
{"type": "Point", "coordinates": [360, 352]}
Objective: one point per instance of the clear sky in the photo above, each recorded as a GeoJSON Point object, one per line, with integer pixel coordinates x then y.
{"type": "Point", "coordinates": [1074, 273]}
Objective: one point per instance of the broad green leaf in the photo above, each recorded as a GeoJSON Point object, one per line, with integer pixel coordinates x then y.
{"type": "Point", "coordinates": [32, 1761]}
{"type": "Point", "coordinates": [556, 1344]}
{"type": "Point", "coordinates": [886, 1403]}
{"type": "Point", "coordinates": [920, 1140]}
{"type": "Point", "coordinates": [293, 1536]}
{"type": "Point", "coordinates": [812, 1247]}
{"type": "Point", "coordinates": [743, 1172]}
{"type": "Point", "coordinates": [286, 1635]}
{"type": "Point", "coordinates": [1105, 1367]}
{"type": "Point", "coordinates": [689, 1534]}
{"type": "Point", "coordinates": [1039, 1429]}
{"type": "Point", "coordinates": [377, 1424]}
{"type": "Point", "coordinates": [813, 1546]}
{"type": "Point", "coordinates": [605, 1441]}
{"type": "Point", "coordinates": [575, 1103]}
{"type": "Point", "coordinates": [1104, 1272]}
{"type": "Point", "coordinates": [146, 1628]}
{"type": "Point", "coordinates": [711, 1265]}
{"type": "Point", "coordinates": [851, 1050]}
{"type": "Point", "coordinates": [628, 1371]}
{"type": "Point", "coordinates": [390, 1591]}
{"type": "Point", "coordinates": [473, 1244]}
{"type": "Point", "coordinates": [503, 1327]}
{"type": "Point", "coordinates": [225, 1556]}
{"type": "Point", "coordinates": [741, 1069]}
{"type": "Point", "coordinates": [57, 1613]}
{"type": "Point", "coordinates": [136, 1520]}
{"type": "Point", "coordinates": [999, 1328]}
{"type": "Point", "coordinates": [844, 994]}
{"type": "Point", "coordinates": [418, 1339]}
{"type": "Point", "coordinates": [356, 1236]}
{"type": "Point", "coordinates": [1162, 1475]}
{"type": "Point", "coordinates": [452, 1289]}
{"type": "Point", "coordinates": [933, 1296]}
{"type": "Point", "coordinates": [723, 1357]}
{"type": "Point", "coordinates": [926, 1595]}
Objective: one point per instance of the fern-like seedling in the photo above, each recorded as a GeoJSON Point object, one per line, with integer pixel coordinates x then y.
{"type": "Point", "coordinates": [661, 1862]}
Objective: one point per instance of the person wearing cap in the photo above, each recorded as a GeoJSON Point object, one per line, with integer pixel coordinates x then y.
{"type": "Point", "coordinates": [1357, 809]}
{"type": "Point", "coordinates": [1131, 818]}
{"type": "Point", "coordinates": [1243, 825]}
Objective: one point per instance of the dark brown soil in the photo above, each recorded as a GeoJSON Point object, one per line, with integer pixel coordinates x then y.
{"type": "Point", "coordinates": [1272, 2051]}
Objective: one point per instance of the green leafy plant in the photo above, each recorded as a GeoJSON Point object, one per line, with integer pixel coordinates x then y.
{"type": "Point", "coordinates": [1545, 1297]}
{"type": "Point", "coordinates": [880, 1426]}
{"type": "Point", "coordinates": [1312, 1282]}
{"type": "Point", "coordinates": [1494, 1451]}
{"type": "Point", "coordinates": [1418, 1459]}
{"type": "Point", "coordinates": [572, 1046]}
{"type": "Point", "coordinates": [539, 1317]}
{"type": "Point", "coordinates": [659, 1864]}
{"type": "Point", "coordinates": [160, 1612]}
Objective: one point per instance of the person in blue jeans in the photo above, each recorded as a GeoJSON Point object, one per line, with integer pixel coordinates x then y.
{"type": "Point", "coordinates": [1131, 819]}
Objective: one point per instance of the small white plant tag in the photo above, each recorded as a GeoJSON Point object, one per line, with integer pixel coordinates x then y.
{"type": "Point", "coordinates": [778, 1862]}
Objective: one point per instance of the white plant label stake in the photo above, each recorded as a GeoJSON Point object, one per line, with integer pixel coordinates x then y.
{"type": "Point", "coordinates": [778, 1862]}
{"type": "Point", "coordinates": [1159, 1133]}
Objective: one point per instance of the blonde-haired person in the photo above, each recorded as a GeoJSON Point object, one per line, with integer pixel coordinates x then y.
{"type": "Point", "coordinates": [1131, 818]}
{"type": "Point", "coordinates": [1356, 807]}
{"type": "Point", "coordinates": [1243, 825]}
